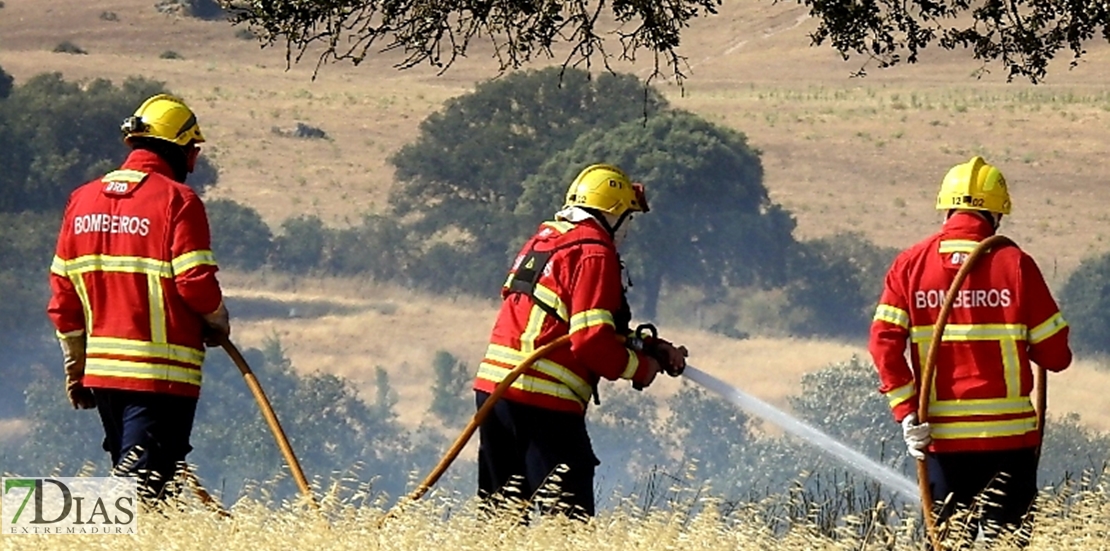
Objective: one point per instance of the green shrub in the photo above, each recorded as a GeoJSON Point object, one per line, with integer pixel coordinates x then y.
{"type": "Point", "coordinates": [109, 16]}
{"type": "Point", "coordinates": [300, 248]}
{"type": "Point", "coordinates": [836, 282]}
{"type": "Point", "coordinates": [1085, 302]}
{"type": "Point", "coordinates": [240, 238]}
{"type": "Point", "coordinates": [170, 54]}
{"type": "Point", "coordinates": [67, 47]}
{"type": "Point", "coordinates": [452, 398]}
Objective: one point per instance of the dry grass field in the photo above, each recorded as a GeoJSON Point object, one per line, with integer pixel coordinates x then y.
{"type": "Point", "coordinates": [692, 522]}
{"type": "Point", "coordinates": [842, 153]}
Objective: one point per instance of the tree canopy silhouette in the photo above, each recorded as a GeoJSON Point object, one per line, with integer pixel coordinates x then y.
{"type": "Point", "coordinates": [1021, 35]}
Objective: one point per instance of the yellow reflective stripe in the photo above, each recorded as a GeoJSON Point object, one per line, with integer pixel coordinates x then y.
{"type": "Point", "coordinates": [972, 332]}
{"type": "Point", "coordinates": [127, 264]}
{"type": "Point", "coordinates": [124, 175]}
{"type": "Point", "coordinates": [983, 429]}
{"type": "Point", "coordinates": [143, 349]}
{"type": "Point", "coordinates": [103, 367]}
{"type": "Point", "coordinates": [83, 294]}
{"type": "Point", "coordinates": [191, 260]}
{"type": "Point", "coordinates": [532, 329]}
{"type": "Point", "coordinates": [58, 266]}
{"type": "Point", "coordinates": [957, 246]}
{"type": "Point", "coordinates": [900, 394]}
{"type": "Point", "coordinates": [568, 378]}
{"type": "Point", "coordinates": [632, 365]}
{"type": "Point", "coordinates": [892, 314]}
{"type": "Point", "coordinates": [981, 406]}
{"type": "Point", "coordinates": [1050, 327]}
{"type": "Point", "coordinates": [559, 225]}
{"type": "Point", "coordinates": [551, 298]}
{"type": "Point", "coordinates": [157, 308]}
{"type": "Point", "coordinates": [590, 318]}
{"type": "Point", "coordinates": [528, 383]}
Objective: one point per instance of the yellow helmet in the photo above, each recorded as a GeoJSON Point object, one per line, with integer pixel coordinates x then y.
{"type": "Point", "coordinates": [163, 117]}
{"type": "Point", "coordinates": [608, 189]}
{"type": "Point", "coordinates": [974, 185]}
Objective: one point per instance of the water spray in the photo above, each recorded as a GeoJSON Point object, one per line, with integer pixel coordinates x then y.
{"type": "Point", "coordinates": [857, 461]}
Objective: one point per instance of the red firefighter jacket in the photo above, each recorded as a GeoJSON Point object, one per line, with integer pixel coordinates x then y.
{"type": "Point", "coordinates": [580, 284]}
{"type": "Point", "coordinates": [1003, 318]}
{"type": "Point", "coordinates": [134, 272]}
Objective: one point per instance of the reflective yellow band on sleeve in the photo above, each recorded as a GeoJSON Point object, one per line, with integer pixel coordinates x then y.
{"type": "Point", "coordinates": [191, 260]}
{"type": "Point", "coordinates": [899, 395]}
{"type": "Point", "coordinates": [1050, 327]}
{"type": "Point", "coordinates": [58, 267]}
{"type": "Point", "coordinates": [632, 366]}
{"type": "Point", "coordinates": [893, 315]}
{"type": "Point", "coordinates": [983, 429]}
{"type": "Point", "coordinates": [103, 367]}
{"type": "Point", "coordinates": [590, 318]}
{"type": "Point", "coordinates": [142, 349]}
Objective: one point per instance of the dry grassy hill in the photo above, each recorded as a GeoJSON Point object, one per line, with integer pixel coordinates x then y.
{"type": "Point", "coordinates": [842, 153]}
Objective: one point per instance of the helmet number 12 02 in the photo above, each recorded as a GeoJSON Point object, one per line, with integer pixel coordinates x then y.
{"type": "Point", "coordinates": [116, 187]}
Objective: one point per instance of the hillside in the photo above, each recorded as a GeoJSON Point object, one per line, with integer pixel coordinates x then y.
{"type": "Point", "coordinates": [843, 154]}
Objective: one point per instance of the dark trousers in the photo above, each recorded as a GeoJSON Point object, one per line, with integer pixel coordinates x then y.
{"type": "Point", "coordinates": [147, 435]}
{"type": "Point", "coordinates": [989, 490]}
{"type": "Point", "coordinates": [521, 446]}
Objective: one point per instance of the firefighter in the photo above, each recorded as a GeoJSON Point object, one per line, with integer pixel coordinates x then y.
{"type": "Point", "coordinates": [135, 295]}
{"type": "Point", "coordinates": [566, 280]}
{"type": "Point", "coordinates": [982, 432]}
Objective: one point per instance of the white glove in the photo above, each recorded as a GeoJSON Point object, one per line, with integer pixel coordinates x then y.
{"type": "Point", "coordinates": [917, 436]}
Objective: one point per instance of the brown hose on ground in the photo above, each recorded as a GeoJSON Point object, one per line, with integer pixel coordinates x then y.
{"type": "Point", "coordinates": [476, 421]}
{"type": "Point", "coordinates": [928, 373]}
{"type": "Point", "coordinates": [268, 413]}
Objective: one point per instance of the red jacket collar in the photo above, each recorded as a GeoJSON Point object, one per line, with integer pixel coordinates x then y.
{"type": "Point", "coordinates": [149, 162]}
{"type": "Point", "coordinates": [967, 224]}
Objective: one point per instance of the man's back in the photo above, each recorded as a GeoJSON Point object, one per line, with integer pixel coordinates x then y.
{"type": "Point", "coordinates": [134, 270]}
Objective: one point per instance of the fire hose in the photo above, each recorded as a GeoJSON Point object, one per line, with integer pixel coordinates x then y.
{"type": "Point", "coordinates": [271, 420]}
{"type": "Point", "coordinates": [928, 376]}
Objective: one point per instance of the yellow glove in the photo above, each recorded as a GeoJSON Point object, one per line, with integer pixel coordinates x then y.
{"type": "Point", "coordinates": [73, 353]}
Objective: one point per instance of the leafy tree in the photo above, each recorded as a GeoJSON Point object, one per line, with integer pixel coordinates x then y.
{"type": "Point", "coordinates": [1021, 35]}
{"type": "Point", "coordinates": [711, 223]}
{"type": "Point", "coordinates": [300, 248]}
{"type": "Point", "coordinates": [452, 389]}
{"type": "Point", "coordinates": [56, 135]}
{"type": "Point", "coordinates": [380, 247]}
{"type": "Point", "coordinates": [240, 238]}
{"type": "Point", "coordinates": [1085, 301]}
{"type": "Point", "coordinates": [836, 282]}
{"type": "Point", "coordinates": [232, 443]}
{"type": "Point", "coordinates": [26, 247]}
{"type": "Point", "coordinates": [465, 170]}
{"type": "Point", "coordinates": [843, 400]}
{"type": "Point", "coordinates": [439, 32]}
{"type": "Point", "coordinates": [6, 83]}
